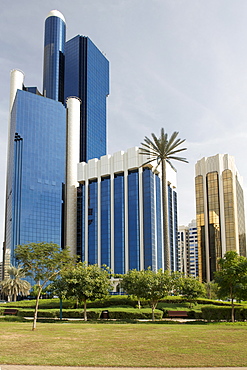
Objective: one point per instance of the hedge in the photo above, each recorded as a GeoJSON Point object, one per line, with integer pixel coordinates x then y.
{"type": "Point", "coordinates": [91, 314]}
{"type": "Point", "coordinates": [214, 313]}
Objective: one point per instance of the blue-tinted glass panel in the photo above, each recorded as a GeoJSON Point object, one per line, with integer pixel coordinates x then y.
{"type": "Point", "coordinates": [133, 220]}
{"type": "Point", "coordinates": [106, 221]}
{"type": "Point", "coordinates": [159, 223]}
{"type": "Point", "coordinates": [148, 219]}
{"type": "Point", "coordinates": [119, 240]}
{"type": "Point", "coordinates": [93, 222]}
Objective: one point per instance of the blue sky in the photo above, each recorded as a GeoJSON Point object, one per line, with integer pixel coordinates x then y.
{"type": "Point", "coordinates": [177, 64]}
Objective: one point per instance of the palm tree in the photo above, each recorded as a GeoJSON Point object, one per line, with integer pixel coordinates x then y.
{"type": "Point", "coordinates": [163, 150]}
{"type": "Point", "coordinates": [13, 285]}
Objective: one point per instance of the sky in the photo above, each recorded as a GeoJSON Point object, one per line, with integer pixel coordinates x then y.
{"type": "Point", "coordinates": [177, 64]}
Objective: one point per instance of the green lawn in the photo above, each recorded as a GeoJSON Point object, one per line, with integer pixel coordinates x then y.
{"type": "Point", "coordinates": [115, 344]}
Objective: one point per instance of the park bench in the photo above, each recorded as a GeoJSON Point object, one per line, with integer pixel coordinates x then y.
{"type": "Point", "coordinates": [177, 314]}
{"type": "Point", "coordinates": [10, 311]}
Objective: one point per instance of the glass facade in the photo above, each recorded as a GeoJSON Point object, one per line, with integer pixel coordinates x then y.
{"type": "Point", "coordinates": [106, 221]}
{"type": "Point", "coordinates": [159, 223]}
{"type": "Point", "coordinates": [93, 222]}
{"type": "Point", "coordinates": [53, 76]}
{"type": "Point", "coordinates": [119, 224]}
{"type": "Point", "coordinates": [241, 219]}
{"type": "Point", "coordinates": [36, 171]}
{"type": "Point", "coordinates": [124, 223]}
{"type": "Point", "coordinates": [227, 179]}
{"type": "Point", "coordinates": [220, 212]}
{"type": "Point", "coordinates": [148, 219]}
{"type": "Point", "coordinates": [87, 77]}
{"type": "Point", "coordinates": [133, 220]}
{"type": "Point", "coordinates": [215, 250]}
{"type": "Point", "coordinates": [200, 220]}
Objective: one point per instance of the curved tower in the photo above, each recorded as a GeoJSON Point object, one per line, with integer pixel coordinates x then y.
{"type": "Point", "coordinates": [53, 75]}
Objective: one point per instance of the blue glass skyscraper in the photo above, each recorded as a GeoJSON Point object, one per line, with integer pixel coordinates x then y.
{"type": "Point", "coordinates": [87, 77]}
{"type": "Point", "coordinates": [36, 170]}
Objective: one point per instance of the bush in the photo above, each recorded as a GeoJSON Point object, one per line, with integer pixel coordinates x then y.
{"type": "Point", "coordinates": [214, 313]}
{"type": "Point", "coordinates": [130, 315]}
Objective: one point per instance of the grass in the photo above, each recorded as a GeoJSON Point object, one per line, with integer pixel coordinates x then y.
{"type": "Point", "coordinates": [128, 345]}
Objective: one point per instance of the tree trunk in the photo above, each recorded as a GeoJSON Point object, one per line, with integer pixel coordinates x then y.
{"type": "Point", "coordinates": [165, 218]}
{"type": "Point", "coordinates": [139, 303]}
{"type": "Point", "coordinates": [36, 308]}
{"type": "Point", "coordinates": [153, 318]}
{"type": "Point", "coordinates": [60, 308]}
{"type": "Point", "coordinates": [233, 319]}
{"type": "Point", "coordinates": [85, 310]}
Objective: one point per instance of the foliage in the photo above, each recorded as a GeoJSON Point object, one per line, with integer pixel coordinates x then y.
{"type": "Point", "coordinates": [214, 313]}
{"type": "Point", "coordinates": [192, 289]}
{"type": "Point", "coordinates": [83, 282]}
{"type": "Point", "coordinates": [132, 284]}
{"type": "Point", "coordinates": [232, 278]}
{"type": "Point", "coordinates": [43, 262]}
{"type": "Point", "coordinates": [14, 285]}
{"type": "Point", "coordinates": [155, 285]}
{"type": "Point", "coordinates": [211, 290]}
{"type": "Point", "coordinates": [163, 150]}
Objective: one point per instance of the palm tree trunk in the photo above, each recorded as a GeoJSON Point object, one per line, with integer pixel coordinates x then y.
{"type": "Point", "coordinates": [165, 218]}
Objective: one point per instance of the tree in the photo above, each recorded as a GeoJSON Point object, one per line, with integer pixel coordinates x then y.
{"type": "Point", "coordinates": [43, 262]}
{"type": "Point", "coordinates": [211, 289]}
{"type": "Point", "coordinates": [14, 285]}
{"type": "Point", "coordinates": [163, 150]}
{"type": "Point", "coordinates": [192, 289]}
{"type": "Point", "coordinates": [132, 284]}
{"type": "Point", "coordinates": [232, 278]}
{"type": "Point", "coordinates": [82, 282]}
{"type": "Point", "coordinates": [155, 285]}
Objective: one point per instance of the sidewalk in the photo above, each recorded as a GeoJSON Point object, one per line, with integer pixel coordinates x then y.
{"type": "Point", "coordinates": [32, 367]}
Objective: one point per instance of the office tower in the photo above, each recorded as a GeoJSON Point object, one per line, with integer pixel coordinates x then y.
{"type": "Point", "coordinates": [87, 77]}
{"type": "Point", "coordinates": [42, 148]}
{"type": "Point", "coordinates": [219, 210]}
{"type": "Point", "coordinates": [121, 213]}
{"type": "Point", "coordinates": [35, 169]}
{"type": "Point", "coordinates": [188, 249]}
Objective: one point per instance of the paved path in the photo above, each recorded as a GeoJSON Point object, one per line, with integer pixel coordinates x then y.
{"type": "Point", "coordinates": [28, 367]}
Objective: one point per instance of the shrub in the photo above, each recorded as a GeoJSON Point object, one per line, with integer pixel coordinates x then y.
{"type": "Point", "coordinates": [214, 313]}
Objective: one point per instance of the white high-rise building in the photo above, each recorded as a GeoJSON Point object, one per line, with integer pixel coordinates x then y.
{"type": "Point", "coordinates": [188, 249]}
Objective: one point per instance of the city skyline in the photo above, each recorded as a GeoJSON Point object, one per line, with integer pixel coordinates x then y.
{"type": "Point", "coordinates": [184, 72]}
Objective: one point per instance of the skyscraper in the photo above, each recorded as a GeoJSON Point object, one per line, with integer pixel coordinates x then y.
{"type": "Point", "coordinates": [188, 249]}
{"type": "Point", "coordinates": [87, 77]}
{"type": "Point", "coordinates": [219, 211]}
{"type": "Point", "coordinates": [39, 154]}
{"type": "Point", "coordinates": [121, 213]}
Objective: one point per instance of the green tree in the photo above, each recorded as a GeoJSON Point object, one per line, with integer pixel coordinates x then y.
{"type": "Point", "coordinates": [43, 262]}
{"type": "Point", "coordinates": [82, 282]}
{"type": "Point", "coordinates": [163, 150]}
{"type": "Point", "coordinates": [132, 284]}
{"type": "Point", "coordinates": [232, 278]}
{"type": "Point", "coordinates": [211, 290]}
{"type": "Point", "coordinates": [14, 285]}
{"type": "Point", "coordinates": [192, 289]}
{"type": "Point", "coordinates": [155, 285]}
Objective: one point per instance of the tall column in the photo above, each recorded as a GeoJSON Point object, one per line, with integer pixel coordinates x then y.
{"type": "Point", "coordinates": [72, 158]}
